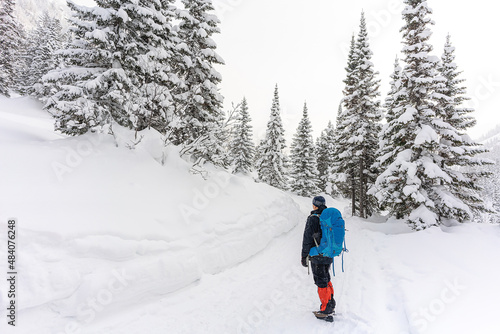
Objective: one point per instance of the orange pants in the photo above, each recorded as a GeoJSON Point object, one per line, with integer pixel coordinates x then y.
{"type": "Point", "coordinates": [325, 295]}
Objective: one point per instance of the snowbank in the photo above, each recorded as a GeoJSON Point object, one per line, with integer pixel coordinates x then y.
{"type": "Point", "coordinates": [100, 224]}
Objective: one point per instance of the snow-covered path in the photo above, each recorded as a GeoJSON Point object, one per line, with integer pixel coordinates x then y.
{"type": "Point", "coordinates": [383, 289]}
{"type": "Point", "coordinates": [269, 293]}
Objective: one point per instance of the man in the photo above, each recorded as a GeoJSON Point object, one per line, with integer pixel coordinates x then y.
{"type": "Point", "coordinates": [320, 264]}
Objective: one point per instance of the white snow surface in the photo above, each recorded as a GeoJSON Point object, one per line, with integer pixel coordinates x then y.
{"type": "Point", "coordinates": [111, 241]}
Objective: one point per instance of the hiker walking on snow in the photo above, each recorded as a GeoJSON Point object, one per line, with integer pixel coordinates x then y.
{"type": "Point", "coordinates": [320, 264]}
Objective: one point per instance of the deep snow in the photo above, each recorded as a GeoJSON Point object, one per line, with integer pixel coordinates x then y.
{"type": "Point", "coordinates": [111, 241]}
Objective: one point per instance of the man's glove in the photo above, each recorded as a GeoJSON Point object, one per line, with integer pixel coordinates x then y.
{"type": "Point", "coordinates": [304, 261]}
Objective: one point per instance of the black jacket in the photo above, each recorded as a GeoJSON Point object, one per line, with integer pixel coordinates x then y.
{"type": "Point", "coordinates": [312, 231]}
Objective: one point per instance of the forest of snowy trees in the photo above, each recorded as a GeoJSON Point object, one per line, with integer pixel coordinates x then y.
{"type": "Point", "coordinates": [150, 65]}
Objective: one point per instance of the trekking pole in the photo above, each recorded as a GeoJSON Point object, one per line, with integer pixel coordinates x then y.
{"type": "Point", "coordinates": [308, 273]}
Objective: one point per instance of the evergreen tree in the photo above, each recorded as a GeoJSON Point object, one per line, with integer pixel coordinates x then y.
{"type": "Point", "coordinates": [359, 128]}
{"type": "Point", "coordinates": [458, 151]}
{"type": "Point", "coordinates": [388, 143]}
{"type": "Point", "coordinates": [397, 94]}
{"type": "Point", "coordinates": [325, 157]}
{"type": "Point", "coordinates": [365, 132]}
{"type": "Point", "coordinates": [338, 180]}
{"type": "Point", "coordinates": [412, 183]}
{"type": "Point", "coordinates": [258, 154]}
{"type": "Point", "coordinates": [304, 172]}
{"type": "Point", "coordinates": [150, 61]}
{"type": "Point", "coordinates": [342, 173]}
{"type": "Point", "coordinates": [10, 39]}
{"type": "Point", "coordinates": [198, 102]}
{"type": "Point", "coordinates": [40, 54]}
{"type": "Point", "coordinates": [271, 163]}
{"type": "Point", "coordinates": [118, 67]}
{"type": "Point", "coordinates": [76, 90]}
{"type": "Point", "coordinates": [242, 147]}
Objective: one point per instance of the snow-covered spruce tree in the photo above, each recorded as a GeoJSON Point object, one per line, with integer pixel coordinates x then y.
{"type": "Point", "coordinates": [153, 67]}
{"type": "Point", "coordinates": [388, 145]}
{"type": "Point", "coordinates": [304, 172]}
{"type": "Point", "coordinates": [365, 132]}
{"type": "Point", "coordinates": [490, 192]}
{"type": "Point", "coordinates": [397, 94]}
{"type": "Point", "coordinates": [458, 151]}
{"type": "Point", "coordinates": [139, 81]}
{"type": "Point", "coordinates": [258, 156]}
{"type": "Point", "coordinates": [40, 54]}
{"type": "Point", "coordinates": [117, 67]}
{"type": "Point", "coordinates": [242, 149]}
{"type": "Point", "coordinates": [325, 156]}
{"type": "Point", "coordinates": [198, 102]}
{"type": "Point", "coordinates": [270, 166]}
{"type": "Point", "coordinates": [360, 125]}
{"type": "Point", "coordinates": [75, 91]}
{"type": "Point", "coordinates": [10, 39]}
{"type": "Point", "coordinates": [343, 172]}
{"type": "Point", "coordinates": [413, 185]}
{"type": "Point", "coordinates": [337, 180]}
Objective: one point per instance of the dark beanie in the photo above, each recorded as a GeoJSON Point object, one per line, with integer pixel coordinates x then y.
{"type": "Point", "coordinates": [319, 201]}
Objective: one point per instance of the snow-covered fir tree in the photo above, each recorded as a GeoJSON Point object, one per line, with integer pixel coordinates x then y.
{"type": "Point", "coordinates": [118, 67]}
{"type": "Point", "coordinates": [325, 156]}
{"type": "Point", "coordinates": [415, 185]}
{"type": "Point", "coordinates": [258, 156]}
{"type": "Point", "coordinates": [364, 133]}
{"type": "Point", "coordinates": [393, 110]}
{"type": "Point", "coordinates": [241, 146]}
{"type": "Point", "coordinates": [406, 185]}
{"type": "Point", "coordinates": [75, 90]}
{"type": "Point", "coordinates": [10, 39]}
{"type": "Point", "coordinates": [360, 125]}
{"type": "Point", "coordinates": [490, 192]}
{"type": "Point", "coordinates": [458, 151]}
{"type": "Point", "coordinates": [342, 172]}
{"type": "Point", "coordinates": [157, 48]}
{"type": "Point", "coordinates": [304, 172]}
{"type": "Point", "coordinates": [198, 102]}
{"type": "Point", "coordinates": [39, 56]}
{"type": "Point", "coordinates": [271, 163]}
{"type": "Point", "coordinates": [397, 94]}
{"type": "Point", "coordinates": [336, 180]}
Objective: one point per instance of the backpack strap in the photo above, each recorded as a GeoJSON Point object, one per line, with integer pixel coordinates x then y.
{"type": "Point", "coordinates": [316, 215]}
{"type": "Point", "coordinates": [344, 250]}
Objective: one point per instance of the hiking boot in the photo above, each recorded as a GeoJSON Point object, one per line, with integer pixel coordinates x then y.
{"type": "Point", "coordinates": [330, 309]}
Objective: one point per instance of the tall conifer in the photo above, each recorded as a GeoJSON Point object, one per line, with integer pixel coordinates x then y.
{"type": "Point", "coordinates": [304, 171]}
{"type": "Point", "coordinates": [10, 39]}
{"type": "Point", "coordinates": [242, 147]}
{"type": "Point", "coordinates": [271, 163]}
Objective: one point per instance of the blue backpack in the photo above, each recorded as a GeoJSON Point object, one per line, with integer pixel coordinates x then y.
{"type": "Point", "coordinates": [332, 242]}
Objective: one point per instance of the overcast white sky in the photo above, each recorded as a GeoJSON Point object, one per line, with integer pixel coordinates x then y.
{"type": "Point", "coordinates": [301, 45]}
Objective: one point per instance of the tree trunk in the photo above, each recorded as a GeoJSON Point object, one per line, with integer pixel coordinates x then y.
{"type": "Point", "coordinates": [362, 193]}
{"type": "Point", "coordinates": [353, 192]}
